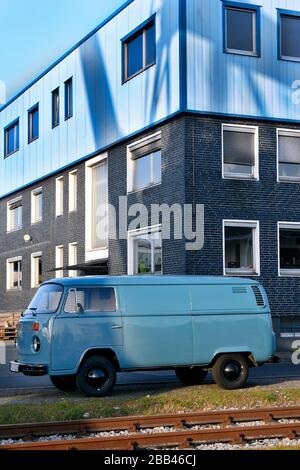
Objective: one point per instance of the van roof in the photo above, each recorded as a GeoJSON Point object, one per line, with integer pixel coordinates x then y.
{"type": "Point", "coordinates": [149, 280]}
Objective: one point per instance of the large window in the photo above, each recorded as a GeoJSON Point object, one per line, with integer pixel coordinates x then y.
{"type": "Point", "coordinates": [289, 248]}
{"type": "Point", "coordinates": [96, 208]}
{"type": "Point", "coordinates": [288, 155]}
{"type": "Point", "coordinates": [289, 41]}
{"type": "Point", "coordinates": [33, 123]}
{"type": "Point", "coordinates": [59, 261]}
{"type": "Point", "coordinates": [14, 273]}
{"type": "Point", "coordinates": [14, 214]}
{"type": "Point", "coordinates": [11, 138]}
{"type": "Point", "coordinates": [241, 247]}
{"type": "Point", "coordinates": [55, 107]}
{"type": "Point", "coordinates": [242, 29]}
{"type": "Point", "coordinates": [59, 196]}
{"type": "Point", "coordinates": [36, 205]}
{"type": "Point", "coordinates": [36, 269]}
{"type": "Point", "coordinates": [240, 152]}
{"type": "Point", "coordinates": [91, 300]}
{"type": "Point", "coordinates": [139, 50]}
{"type": "Point", "coordinates": [47, 298]}
{"type": "Point", "coordinates": [69, 98]}
{"type": "Point", "coordinates": [145, 251]}
{"type": "Point", "coordinates": [144, 163]}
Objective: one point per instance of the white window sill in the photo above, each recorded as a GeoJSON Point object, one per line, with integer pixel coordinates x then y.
{"type": "Point", "coordinates": [237, 176]}
{"type": "Point", "coordinates": [34, 222]}
{"type": "Point", "coordinates": [291, 273]}
{"type": "Point", "coordinates": [150, 186]}
{"type": "Point", "coordinates": [97, 254]}
{"type": "Point", "coordinates": [14, 289]}
{"type": "Point", "coordinates": [242, 273]}
{"type": "Point", "coordinates": [12, 230]}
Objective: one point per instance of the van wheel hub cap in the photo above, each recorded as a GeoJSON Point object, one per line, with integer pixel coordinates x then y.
{"type": "Point", "coordinates": [96, 378]}
{"type": "Point", "coordinates": [232, 370]}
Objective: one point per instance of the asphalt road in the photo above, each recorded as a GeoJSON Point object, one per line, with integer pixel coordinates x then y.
{"type": "Point", "coordinates": [10, 381]}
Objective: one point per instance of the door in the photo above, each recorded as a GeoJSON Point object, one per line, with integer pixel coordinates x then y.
{"type": "Point", "coordinates": [90, 318]}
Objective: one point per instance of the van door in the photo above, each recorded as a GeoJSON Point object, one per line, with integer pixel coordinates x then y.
{"type": "Point", "coordinates": [90, 318]}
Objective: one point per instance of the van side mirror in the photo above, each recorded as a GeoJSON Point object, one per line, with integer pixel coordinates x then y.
{"type": "Point", "coordinates": [79, 307]}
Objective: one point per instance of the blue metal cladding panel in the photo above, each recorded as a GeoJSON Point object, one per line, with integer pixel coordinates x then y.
{"type": "Point", "coordinates": [104, 109]}
{"type": "Point", "coordinates": [237, 84]}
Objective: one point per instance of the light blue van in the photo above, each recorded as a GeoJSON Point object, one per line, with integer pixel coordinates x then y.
{"type": "Point", "coordinates": [81, 331]}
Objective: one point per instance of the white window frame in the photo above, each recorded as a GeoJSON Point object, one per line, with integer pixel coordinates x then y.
{"type": "Point", "coordinates": [130, 250]}
{"type": "Point", "coordinates": [60, 273]}
{"type": "Point", "coordinates": [252, 53]}
{"type": "Point", "coordinates": [289, 226]}
{"type": "Point", "coordinates": [34, 194]}
{"type": "Point", "coordinates": [72, 260]}
{"type": "Point", "coordinates": [90, 253]}
{"type": "Point", "coordinates": [10, 228]}
{"type": "Point", "coordinates": [59, 196]}
{"type": "Point", "coordinates": [256, 245]}
{"type": "Point", "coordinates": [141, 142]}
{"type": "Point", "coordinates": [9, 261]}
{"type": "Point", "coordinates": [73, 184]}
{"type": "Point", "coordinates": [34, 269]}
{"type": "Point", "coordinates": [251, 130]}
{"type": "Point", "coordinates": [287, 132]}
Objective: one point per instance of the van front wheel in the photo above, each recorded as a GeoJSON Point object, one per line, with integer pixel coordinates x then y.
{"type": "Point", "coordinates": [96, 377]}
{"type": "Point", "coordinates": [230, 371]}
{"type": "Point", "coordinates": [191, 375]}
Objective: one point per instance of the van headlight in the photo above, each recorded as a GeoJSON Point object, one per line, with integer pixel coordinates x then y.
{"type": "Point", "coordinates": [36, 344]}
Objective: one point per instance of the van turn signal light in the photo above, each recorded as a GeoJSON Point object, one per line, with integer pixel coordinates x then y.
{"type": "Point", "coordinates": [36, 326]}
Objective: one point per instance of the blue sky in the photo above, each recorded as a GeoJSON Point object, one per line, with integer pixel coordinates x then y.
{"type": "Point", "coordinates": [34, 33]}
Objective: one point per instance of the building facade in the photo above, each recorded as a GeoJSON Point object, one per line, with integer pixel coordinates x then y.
{"type": "Point", "coordinates": [167, 102]}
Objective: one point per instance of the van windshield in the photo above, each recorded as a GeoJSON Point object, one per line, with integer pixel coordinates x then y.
{"type": "Point", "coordinates": [47, 299]}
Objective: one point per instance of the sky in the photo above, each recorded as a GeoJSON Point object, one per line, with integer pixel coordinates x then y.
{"type": "Point", "coordinates": [34, 33]}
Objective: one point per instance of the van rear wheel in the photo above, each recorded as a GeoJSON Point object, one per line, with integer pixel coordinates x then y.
{"type": "Point", "coordinates": [96, 377]}
{"type": "Point", "coordinates": [231, 371]}
{"type": "Point", "coordinates": [191, 375]}
{"type": "Point", "coordinates": [66, 383]}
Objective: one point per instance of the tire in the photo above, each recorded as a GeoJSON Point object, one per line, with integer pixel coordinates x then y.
{"type": "Point", "coordinates": [191, 375]}
{"type": "Point", "coordinates": [231, 371]}
{"type": "Point", "coordinates": [96, 377]}
{"type": "Point", "coordinates": [66, 383]}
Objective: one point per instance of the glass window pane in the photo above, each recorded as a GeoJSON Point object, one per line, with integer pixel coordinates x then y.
{"type": "Point", "coordinates": [39, 270]}
{"type": "Point", "coordinates": [142, 172]}
{"type": "Point", "coordinates": [35, 124]}
{"type": "Point", "coordinates": [290, 36]}
{"type": "Point", "coordinates": [240, 30]}
{"type": "Point", "coordinates": [38, 199]}
{"type": "Point", "coordinates": [289, 170]}
{"type": "Point", "coordinates": [99, 206]}
{"type": "Point", "coordinates": [157, 269]}
{"type": "Point", "coordinates": [142, 247]}
{"type": "Point", "coordinates": [239, 147]}
{"type": "Point", "coordinates": [134, 55]}
{"type": "Point", "coordinates": [11, 143]}
{"type": "Point", "coordinates": [289, 249]}
{"type": "Point", "coordinates": [289, 149]}
{"type": "Point", "coordinates": [244, 170]}
{"type": "Point", "coordinates": [150, 45]}
{"type": "Point", "coordinates": [47, 298]}
{"type": "Point", "coordinates": [92, 299]}
{"type": "Point", "coordinates": [239, 248]}
{"type": "Point", "coordinates": [157, 167]}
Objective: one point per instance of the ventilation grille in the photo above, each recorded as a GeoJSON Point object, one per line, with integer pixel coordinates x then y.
{"type": "Point", "coordinates": [239, 290]}
{"type": "Point", "coordinates": [258, 296]}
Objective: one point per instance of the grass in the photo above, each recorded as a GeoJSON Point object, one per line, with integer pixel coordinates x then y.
{"type": "Point", "coordinates": [174, 400]}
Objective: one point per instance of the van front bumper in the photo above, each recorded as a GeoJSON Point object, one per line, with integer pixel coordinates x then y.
{"type": "Point", "coordinates": [28, 369]}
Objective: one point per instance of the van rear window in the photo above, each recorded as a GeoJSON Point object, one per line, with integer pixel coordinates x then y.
{"type": "Point", "coordinates": [91, 299]}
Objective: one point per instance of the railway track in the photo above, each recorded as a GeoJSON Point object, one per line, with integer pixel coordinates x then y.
{"type": "Point", "coordinates": [182, 431]}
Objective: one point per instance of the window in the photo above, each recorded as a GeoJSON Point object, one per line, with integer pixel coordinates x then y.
{"type": "Point", "coordinates": [59, 196]}
{"type": "Point", "coordinates": [96, 209]}
{"type": "Point", "coordinates": [144, 163]}
{"type": "Point", "coordinates": [240, 152]}
{"type": "Point", "coordinates": [241, 29]}
{"type": "Point", "coordinates": [59, 261]}
{"type": "Point", "coordinates": [91, 299]}
{"type": "Point", "coordinates": [55, 107]}
{"type": "Point", "coordinates": [36, 269]}
{"type": "Point", "coordinates": [36, 205]}
{"type": "Point", "coordinates": [289, 248]}
{"type": "Point", "coordinates": [145, 251]}
{"type": "Point", "coordinates": [69, 98]}
{"type": "Point", "coordinates": [11, 138]}
{"type": "Point", "coordinates": [289, 40]}
{"type": "Point", "coordinates": [47, 298]}
{"type": "Point", "coordinates": [241, 247]}
{"type": "Point", "coordinates": [14, 273]}
{"type": "Point", "coordinates": [73, 191]}
{"type": "Point", "coordinates": [14, 214]}
{"type": "Point", "coordinates": [288, 151]}
{"type": "Point", "coordinates": [33, 123]}
{"type": "Point", "coordinates": [72, 258]}
{"type": "Point", "coordinates": [139, 50]}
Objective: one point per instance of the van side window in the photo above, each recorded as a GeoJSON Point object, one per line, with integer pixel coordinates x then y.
{"type": "Point", "coordinates": [91, 299]}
